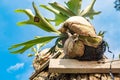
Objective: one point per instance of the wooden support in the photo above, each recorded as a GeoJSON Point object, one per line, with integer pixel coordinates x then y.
{"type": "Point", "coordinates": [43, 66]}
{"type": "Point", "coordinates": [75, 66]}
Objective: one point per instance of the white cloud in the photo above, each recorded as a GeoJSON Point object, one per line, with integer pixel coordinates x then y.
{"type": "Point", "coordinates": [15, 67]}
{"type": "Point", "coordinates": [26, 74]}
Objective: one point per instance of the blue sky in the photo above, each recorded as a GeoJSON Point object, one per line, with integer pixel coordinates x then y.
{"type": "Point", "coordinates": [18, 67]}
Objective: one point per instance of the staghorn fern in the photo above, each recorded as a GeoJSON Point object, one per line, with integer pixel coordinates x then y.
{"type": "Point", "coordinates": [72, 8]}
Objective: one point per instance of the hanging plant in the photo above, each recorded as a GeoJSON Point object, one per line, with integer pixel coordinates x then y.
{"type": "Point", "coordinates": [74, 36]}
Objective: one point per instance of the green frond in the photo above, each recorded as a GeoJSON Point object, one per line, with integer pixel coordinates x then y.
{"type": "Point", "coordinates": [30, 55]}
{"type": "Point", "coordinates": [62, 9]}
{"type": "Point", "coordinates": [59, 17]}
{"type": "Point", "coordinates": [28, 12]}
{"type": "Point", "coordinates": [89, 11]}
{"type": "Point", "coordinates": [101, 33]}
{"type": "Point", "coordinates": [74, 6]}
{"type": "Point", "coordinates": [29, 44]}
{"type": "Point", "coordinates": [37, 19]}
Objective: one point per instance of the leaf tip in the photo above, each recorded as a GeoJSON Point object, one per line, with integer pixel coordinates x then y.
{"type": "Point", "coordinates": [17, 10]}
{"type": "Point", "coordinates": [19, 24]}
